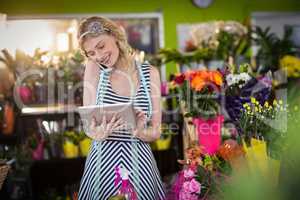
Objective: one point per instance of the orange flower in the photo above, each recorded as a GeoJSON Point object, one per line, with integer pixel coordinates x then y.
{"type": "Point", "coordinates": [217, 78]}
{"type": "Point", "coordinates": [197, 82]}
{"type": "Point", "coordinates": [189, 74]}
{"type": "Point", "coordinates": [200, 78]}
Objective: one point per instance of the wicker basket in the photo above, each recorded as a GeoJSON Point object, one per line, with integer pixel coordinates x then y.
{"type": "Point", "coordinates": [3, 173]}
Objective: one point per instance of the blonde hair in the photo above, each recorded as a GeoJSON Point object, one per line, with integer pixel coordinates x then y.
{"type": "Point", "coordinates": [109, 27]}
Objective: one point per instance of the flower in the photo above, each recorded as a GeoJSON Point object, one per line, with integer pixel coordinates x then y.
{"type": "Point", "coordinates": [202, 78]}
{"type": "Point", "coordinates": [189, 173]}
{"type": "Point", "coordinates": [231, 150]}
{"type": "Point", "coordinates": [217, 78]}
{"type": "Point", "coordinates": [179, 79]}
{"type": "Point", "coordinates": [238, 79]}
{"type": "Point", "coordinates": [291, 65]}
{"type": "Point", "coordinates": [197, 83]}
{"type": "Point", "coordinates": [187, 196]}
{"type": "Point", "coordinates": [192, 186]}
{"type": "Point", "coordinates": [266, 104]}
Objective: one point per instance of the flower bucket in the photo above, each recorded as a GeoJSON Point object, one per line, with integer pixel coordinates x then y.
{"type": "Point", "coordinates": [164, 88]}
{"type": "Point", "coordinates": [163, 144]}
{"type": "Point", "coordinates": [70, 149]}
{"type": "Point", "coordinates": [38, 153]}
{"type": "Point", "coordinates": [209, 133]}
{"type": "Point", "coordinates": [25, 94]}
{"type": "Point", "coordinates": [85, 146]}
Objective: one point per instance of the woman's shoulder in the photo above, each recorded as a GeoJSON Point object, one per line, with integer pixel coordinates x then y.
{"type": "Point", "coordinates": [151, 71]}
{"type": "Point", "coordinates": [149, 67]}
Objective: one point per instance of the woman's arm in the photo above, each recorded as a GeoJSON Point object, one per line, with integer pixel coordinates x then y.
{"type": "Point", "coordinates": [153, 131]}
{"type": "Point", "coordinates": [96, 130]}
{"type": "Point", "coordinates": [90, 82]}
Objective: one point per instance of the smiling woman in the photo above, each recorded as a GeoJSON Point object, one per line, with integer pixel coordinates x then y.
{"type": "Point", "coordinates": [112, 76]}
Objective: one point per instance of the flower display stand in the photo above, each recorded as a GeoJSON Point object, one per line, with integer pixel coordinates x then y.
{"type": "Point", "coordinates": [189, 134]}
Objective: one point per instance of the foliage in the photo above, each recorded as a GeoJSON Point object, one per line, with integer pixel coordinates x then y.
{"type": "Point", "coordinates": [272, 48]}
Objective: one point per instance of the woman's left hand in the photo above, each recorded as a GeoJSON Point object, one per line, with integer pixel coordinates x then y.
{"type": "Point", "coordinates": [140, 123]}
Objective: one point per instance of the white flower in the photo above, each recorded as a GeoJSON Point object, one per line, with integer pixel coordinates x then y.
{"type": "Point", "coordinates": [233, 79]}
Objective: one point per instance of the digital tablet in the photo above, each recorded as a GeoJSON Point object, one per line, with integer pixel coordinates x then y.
{"type": "Point", "coordinates": [123, 110]}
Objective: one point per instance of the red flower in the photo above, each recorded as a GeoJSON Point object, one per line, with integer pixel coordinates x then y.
{"type": "Point", "coordinates": [179, 79]}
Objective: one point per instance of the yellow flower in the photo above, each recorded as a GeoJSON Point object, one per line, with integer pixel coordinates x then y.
{"type": "Point", "coordinates": [291, 65]}
{"type": "Point", "coordinates": [275, 102]}
{"type": "Point", "coordinates": [266, 104]}
{"type": "Point", "coordinates": [280, 102]}
{"type": "Point", "coordinates": [253, 100]}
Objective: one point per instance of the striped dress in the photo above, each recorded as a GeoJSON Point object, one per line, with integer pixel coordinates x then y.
{"type": "Point", "coordinates": [122, 149]}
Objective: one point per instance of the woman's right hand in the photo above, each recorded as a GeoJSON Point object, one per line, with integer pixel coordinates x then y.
{"type": "Point", "coordinates": [102, 131]}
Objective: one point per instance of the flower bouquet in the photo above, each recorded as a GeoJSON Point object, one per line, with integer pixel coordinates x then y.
{"type": "Point", "coordinates": [200, 97]}
{"type": "Point", "coordinates": [265, 121]}
{"type": "Point", "coordinates": [203, 174]}
{"type": "Point", "coordinates": [240, 85]}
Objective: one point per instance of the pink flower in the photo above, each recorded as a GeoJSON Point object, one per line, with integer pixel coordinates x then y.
{"type": "Point", "coordinates": [187, 196]}
{"type": "Point", "coordinates": [191, 186]}
{"type": "Point", "coordinates": [189, 173]}
{"type": "Point", "coordinates": [195, 186]}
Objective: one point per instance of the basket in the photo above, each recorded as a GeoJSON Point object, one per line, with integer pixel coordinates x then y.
{"type": "Point", "coordinates": [3, 173]}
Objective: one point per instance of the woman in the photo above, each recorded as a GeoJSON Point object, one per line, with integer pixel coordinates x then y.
{"type": "Point", "coordinates": [113, 76]}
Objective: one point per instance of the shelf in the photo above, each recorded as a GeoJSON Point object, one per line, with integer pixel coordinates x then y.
{"type": "Point", "coordinates": [54, 109]}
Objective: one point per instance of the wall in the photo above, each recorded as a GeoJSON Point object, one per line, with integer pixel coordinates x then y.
{"type": "Point", "coordinates": [174, 11]}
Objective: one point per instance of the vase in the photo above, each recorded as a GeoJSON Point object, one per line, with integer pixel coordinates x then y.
{"type": "Point", "coordinates": [163, 144]}
{"type": "Point", "coordinates": [85, 146]}
{"type": "Point", "coordinates": [8, 118]}
{"type": "Point", "coordinates": [25, 94]}
{"type": "Point", "coordinates": [209, 133]}
{"type": "Point", "coordinates": [38, 153]}
{"type": "Point", "coordinates": [164, 88]}
{"type": "Point", "coordinates": [70, 149]}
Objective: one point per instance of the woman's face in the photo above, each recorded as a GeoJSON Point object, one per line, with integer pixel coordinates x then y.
{"type": "Point", "coordinates": [102, 49]}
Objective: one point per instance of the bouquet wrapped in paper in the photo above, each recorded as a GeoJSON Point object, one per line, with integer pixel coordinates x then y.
{"type": "Point", "coordinates": [258, 161]}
